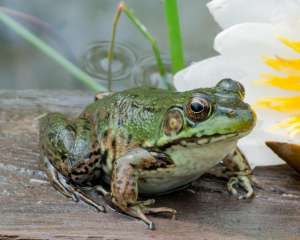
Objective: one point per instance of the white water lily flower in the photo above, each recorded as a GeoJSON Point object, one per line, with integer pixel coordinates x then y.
{"type": "Point", "coordinates": [257, 43]}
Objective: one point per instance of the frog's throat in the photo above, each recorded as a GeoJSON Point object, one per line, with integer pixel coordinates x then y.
{"type": "Point", "coordinates": [185, 142]}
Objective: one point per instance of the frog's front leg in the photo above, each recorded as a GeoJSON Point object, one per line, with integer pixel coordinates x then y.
{"type": "Point", "coordinates": [239, 173]}
{"type": "Point", "coordinates": [236, 168]}
{"type": "Point", "coordinates": [124, 184]}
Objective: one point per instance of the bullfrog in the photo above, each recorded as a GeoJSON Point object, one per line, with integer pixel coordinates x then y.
{"type": "Point", "coordinates": [149, 141]}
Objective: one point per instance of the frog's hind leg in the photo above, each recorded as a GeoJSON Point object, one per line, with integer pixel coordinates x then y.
{"type": "Point", "coordinates": [124, 185]}
{"type": "Point", "coordinates": [58, 182]}
{"type": "Point", "coordinates": [236, 168]}
{"type": "Point", "coordinates": [63, 145]}
{"type": "Point", "coordinates": [67, 189]}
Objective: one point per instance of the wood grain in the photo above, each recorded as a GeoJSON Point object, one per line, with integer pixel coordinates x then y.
{"type": "Point", "coordinates": [31, 209]}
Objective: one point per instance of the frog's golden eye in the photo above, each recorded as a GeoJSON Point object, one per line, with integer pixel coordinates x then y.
{"type": "Point", "coordinates": [198, 109]}
{"type": "Point", "coordinates": [173, 122]}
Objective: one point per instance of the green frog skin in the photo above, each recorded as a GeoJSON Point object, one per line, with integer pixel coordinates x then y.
{"type": "Point", "coordinates": [149, 141]}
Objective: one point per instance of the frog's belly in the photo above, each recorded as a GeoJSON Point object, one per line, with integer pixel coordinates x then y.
{"type": "Point", "coordinates": [190, 163]}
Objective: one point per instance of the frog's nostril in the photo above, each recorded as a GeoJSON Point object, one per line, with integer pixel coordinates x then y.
{"type": "Point", "coordinates": [231, 113]}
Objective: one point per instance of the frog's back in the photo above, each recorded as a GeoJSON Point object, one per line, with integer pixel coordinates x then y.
{"type": "Point", "coordinates": [135, 112]}
{"type": "Point", "coordinates": [125, 120]}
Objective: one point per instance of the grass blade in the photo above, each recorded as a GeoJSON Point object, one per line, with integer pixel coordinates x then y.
{"type": "Point", "coordinates": [175, 40]}
{"type": "Point", "coordinates": [51, 53]}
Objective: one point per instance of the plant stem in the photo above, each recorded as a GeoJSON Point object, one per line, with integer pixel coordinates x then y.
{"type": "Point", "coordinates": [123, 8]}
{"type": "Point", "coordinates": [175, 40]}
{"type": "Point", "coordinates": [112, 45]}
{"type": "Point", "coordinates": [148, 36]}
{"type": "Point", "coordinates": [51, 53]}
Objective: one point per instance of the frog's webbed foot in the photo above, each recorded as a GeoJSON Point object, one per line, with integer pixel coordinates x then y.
{"type": "Point", "coordinates": [124, 186]}
{"type": "Point", "coordinates": [243, 182]}
{"type": "Point", "coordinates": [237, 169]}
{"type": "Point", "coordinates": [140, 211]}
{"type": "Point", "coordinates": [68, 190]}
{"type": "Point", "coordinates": [239, 173]}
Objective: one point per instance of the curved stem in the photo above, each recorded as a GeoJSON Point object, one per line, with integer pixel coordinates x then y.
{"type": "Point", "coordinates": [122, 7]}
{"type": "Point", "coordinates": [112, 45]}
{"type": "Point", "coordinates": [148, 36]}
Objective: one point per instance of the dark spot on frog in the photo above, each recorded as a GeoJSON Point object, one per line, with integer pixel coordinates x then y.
{"type": "Point", "coordinates": [104, 134]}
{"type": "Point", "coordinates": [104, 157]}
{"type": "Point", "coordinates": [86, 169]}
{"type": "Point", "coordinates": [91, 164]}
{"type": "Point", "coordinates": [129, 138]}
{"type": "Point", "coordinates": [231, 113]}
{"type": "Point", "coordinates": [94, 145]}
{"type": "Point", "coordinates": [80, 165]}
{"type": "Point", "coordinates": [82, 169]}
{"type": "Point", "coordinates": [132, 192]}
{"type": "Point", "coordinates": [113, 145]}
{"type": "Point", "coordinates": [120, 122]}
{"type": "Point", "coordinates": [119, 182]}
{"type": "Point", "coordinates": [76, 179]}
{"type": "Point", "coordinates": [76, 172]}
{"type": "Point", "coordinates": [141, 179]}
{"type": "Point", "coordinates": [97, 151]}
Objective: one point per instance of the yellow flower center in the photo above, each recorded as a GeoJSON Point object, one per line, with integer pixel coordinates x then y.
{"type": "Point", "coordinates": [288, 78]}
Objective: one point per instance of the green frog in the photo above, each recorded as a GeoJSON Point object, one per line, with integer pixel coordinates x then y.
{"type": "Point", "coordinates": [149, 141]}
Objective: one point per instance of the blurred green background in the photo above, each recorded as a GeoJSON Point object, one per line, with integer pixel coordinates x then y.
{"type": "Point", "coordinates": [79, 23]}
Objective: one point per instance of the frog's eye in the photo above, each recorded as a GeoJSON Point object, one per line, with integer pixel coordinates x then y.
{"type": "Point", "coordinates": [198, 109]}
{"type": "Point", "coordinates": [173, 122]}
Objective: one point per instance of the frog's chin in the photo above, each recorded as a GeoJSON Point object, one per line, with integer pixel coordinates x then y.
{"type": "Point", "coordinates": [188, 159]}
{"type": "Point", "coordinates": [195, 145]}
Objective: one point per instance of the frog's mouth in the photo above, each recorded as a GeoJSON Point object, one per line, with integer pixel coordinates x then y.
{"type": "Point", "coordinates": [165, 161]}
{"type": "Point", "coordinates": [186, 142]}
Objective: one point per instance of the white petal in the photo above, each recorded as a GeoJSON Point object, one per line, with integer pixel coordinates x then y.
{"type": "Point", "coordinates": [289, 28]}
{"type": "Point", "coordinates": [257, 153]}
{"type": "Point", "coordinates": [253, 146]}
{"type": "Point", "coordinates": [206, 73]}
{"type": "Point", "coordinates": [252, 40]}
{"type": "Point", "coordinates": [230, 12]}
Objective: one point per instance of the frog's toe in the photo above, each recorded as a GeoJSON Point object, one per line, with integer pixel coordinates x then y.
{"type": "Point", "coordinates": [85, 198]}
{"type": "Point", "coordinates": [145, 203]}
{"type": "Point", "coordinates": [245, 183]}
{"type": "Point", "coordinates": [78, 195]}
{"type": "Point", "coordinates": [171, 211]}
{"type": "Point", "coordinates": [138, 212]}
{"type": "Point", "coordinates": [242, 182]}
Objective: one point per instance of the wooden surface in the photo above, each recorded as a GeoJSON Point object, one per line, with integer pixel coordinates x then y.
{"type": "Point", "coordinates": [31, 209]}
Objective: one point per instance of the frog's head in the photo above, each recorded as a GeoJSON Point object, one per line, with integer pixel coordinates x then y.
{"type": "Point", "coordinates": [206, 115]}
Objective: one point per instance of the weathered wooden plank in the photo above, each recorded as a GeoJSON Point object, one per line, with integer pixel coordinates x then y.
{"type": "Point", "coordinates": [31, 209]}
